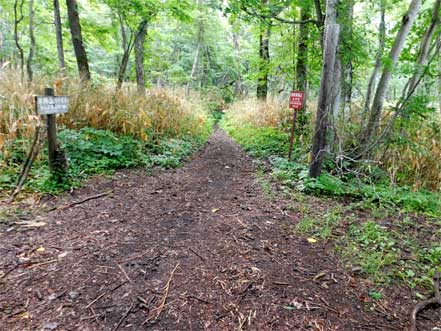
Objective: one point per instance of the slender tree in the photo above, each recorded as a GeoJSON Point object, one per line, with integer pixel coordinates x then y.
{"type": "Point", "coordinates": [18, 18]}
{"type": "Point", "coordinates": [32, 44]}
{"type": "Point", "coordinates": [378, 57]}
{"type": "Point", "coordinates": [421, 61]}
{"type": "Point", "coordinates": [347, 54]}
{"type": "Point", "coordinates": [59, 37]}
{"type": "Point", "coordinates": [77, 40]}
{"type": "Point", "coordinates": [380, 94]}
{"type": "Point", "coordinates": [438, 78]}
{"type": "Point", "coordinates": [199, 45]}
{"type": "Point", "coordinates": [139, 57]}
{"type": "Point", "coordinates": [264, 61]}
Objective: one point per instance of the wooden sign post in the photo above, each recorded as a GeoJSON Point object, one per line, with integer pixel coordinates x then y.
{"type": "Point", "coordinates": [50, 105]}
{"type": "Point", "coordinates": [295, 103]}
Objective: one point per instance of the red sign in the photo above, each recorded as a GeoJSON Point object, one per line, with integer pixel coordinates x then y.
{"type": "Point", "coordinates": [296, 100]}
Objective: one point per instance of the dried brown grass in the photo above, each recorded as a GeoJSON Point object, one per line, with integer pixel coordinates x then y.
{"type": "Point", "coordinates": [253, 112]}
{"type": "Point", "coordinates": [159, 112]}
{"type": "Point", "coordinates": [416, 163]}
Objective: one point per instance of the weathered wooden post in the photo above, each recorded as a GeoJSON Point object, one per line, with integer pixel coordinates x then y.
{"type": "Point", "coordinates": [51, 124]}
{"type": "Point", "coordinates": [50, 105]}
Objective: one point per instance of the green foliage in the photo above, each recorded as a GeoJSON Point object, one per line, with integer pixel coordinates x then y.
{"type": "Point", "coordinates": [272, 143]}
{"type": "Point", "coordinates": [374, 246]}
{"type": "Point", "coordinates": [260, 142]}
{"type": "Point", "coordinates": [92, 151]}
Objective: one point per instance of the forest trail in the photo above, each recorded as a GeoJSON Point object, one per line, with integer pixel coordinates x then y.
{"type": "Point", "coordinates": [198, 248]}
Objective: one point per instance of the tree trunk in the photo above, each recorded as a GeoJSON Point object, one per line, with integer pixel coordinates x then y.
{"type": "Point", "coordinates": [32, 44]}
{"type": "Point", "coordinates": [17, 21]}
{"type": "Point", "coordinates": [438, 45]}
{"type": "Point", "coordinates": [425, 48]}
{"type": "Point", "coordinates": [123, 31]}
{"type": "Point", "coordinates": [237, 57]}
{"type": "Point", "coordinates": [301, 65]}
{"type": "Point", "coordinates": [264, 56]}
{"type": "Point", "coordinates": [139, 57]}
{"type": "Point", "coordinates": [59, 36]}
{"type": "Point", "coordinates": [346, 48]}
{"type": "Point", "coordinates": [123, 66]}
{"type": "Point", "coordinates": [380, 52]}
{"type": "Point", "coordinates": [77, 40]}
{"type": "Point", "coordinates": [324, 101]}
{"type": "Point", "coordinates": [197, 55]}
{"type": "Point", "coordinates": [380, 94]}
{"type": "Point", "coordinates": [321, 19]}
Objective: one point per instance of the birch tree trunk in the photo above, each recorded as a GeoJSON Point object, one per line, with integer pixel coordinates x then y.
{"type": "Point", "coordinates": [197, 55]}
{"type": "Point", "coordinates": [139, 57]}
{"type": "Point", "coordinates": [380, 94]}
{"type": "Point", "coordinates": [379, 56]}
{"type": "Point", "coordinates": [324, 101]}
{"type": "Point", "coordinates": [77, 40]}
{"type": "Point", "coordinates": [32, 43]}
{"type": "Point", "coordinates": [237, 57]}
{"type": "Point", "coordinates": [425, 48]}
{"type": "Point", "coordinates": [59, 36]}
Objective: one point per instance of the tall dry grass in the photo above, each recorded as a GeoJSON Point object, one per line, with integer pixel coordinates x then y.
{"type": "Point", "coordinates": [416, 163]}
{"type": "Point", "coordinates": [159, 112]}
{"type": "Point", "coordinates": [257, 113]}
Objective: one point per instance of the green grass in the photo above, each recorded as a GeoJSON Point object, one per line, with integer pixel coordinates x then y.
{"type": "Point", "coordinates": [390, 232]}
{"type": "Point", "coordinates": [90, 151]}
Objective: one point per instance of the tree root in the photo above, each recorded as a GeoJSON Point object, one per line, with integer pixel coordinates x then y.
{"type": "Point", "coordinates": [435, 300]}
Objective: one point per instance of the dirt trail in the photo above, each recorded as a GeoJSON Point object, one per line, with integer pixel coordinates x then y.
{"type": "Point", "coordinates": [198, 248]}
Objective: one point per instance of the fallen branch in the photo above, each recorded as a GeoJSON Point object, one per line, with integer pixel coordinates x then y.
{"type": "Point", "coordinates": [97, 196]}
{"type": "Point", "coordinates": [33, 153]}
{"type": "Point", "coordinates": [435, 300]}
{"type": "Point", "coordinates": [156, 312]}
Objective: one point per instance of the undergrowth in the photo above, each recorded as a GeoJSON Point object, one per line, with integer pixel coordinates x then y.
{"type": "Point", "coordinates": [103, 130]}
{"type": "Point", "coordinates": [90, 151]}
{"type": "Point", "coordinates": [390, 232]}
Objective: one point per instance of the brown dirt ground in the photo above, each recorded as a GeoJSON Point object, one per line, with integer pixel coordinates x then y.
{"type": "Point", "coordinates": [198, 248]}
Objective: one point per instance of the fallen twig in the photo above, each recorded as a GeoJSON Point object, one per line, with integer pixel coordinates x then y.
{"type": "Point", "coordinates": [95, 300]}
{"type": "Point", "coordinates": [97, 196]}
{"type": "Point", "coordinates": [435, 300]}
{"type": "Point", "coordinates": [141, 256]}
{"type": "Point", "coordinates": [198, 299]}
{"type": "Point", "coordinates": [124, 272]}
{"type": "Point", "coordinates": [197, 254]}
{"type": "Point", "coordinates": [9, 271]}
{"type": "Point", "coordinates": [156, 312]}
{"type": "Point", "coordinates": [124, 317]}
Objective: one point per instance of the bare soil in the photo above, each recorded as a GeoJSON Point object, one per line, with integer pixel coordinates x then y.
{"type": "Point", "coordinates": [198, 248]}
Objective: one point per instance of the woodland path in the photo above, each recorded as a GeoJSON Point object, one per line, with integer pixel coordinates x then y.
{"type": "Point", "coordinates": [197, 248]}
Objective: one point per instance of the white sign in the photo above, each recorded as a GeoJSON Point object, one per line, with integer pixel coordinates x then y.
{"type": "Point", "coordinates": [47, 105]}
